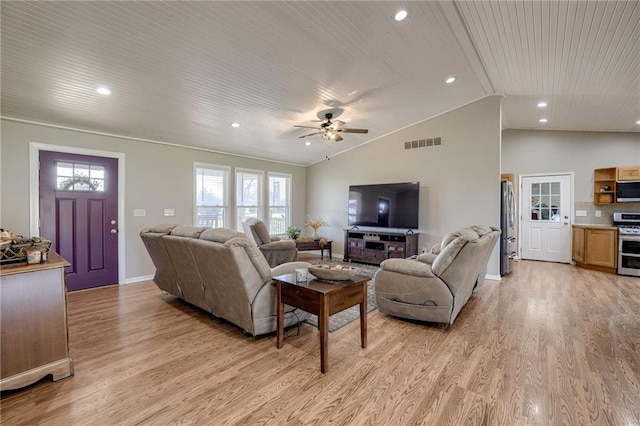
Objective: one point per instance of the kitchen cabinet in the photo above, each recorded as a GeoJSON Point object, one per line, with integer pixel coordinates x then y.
{"type": "Point", "coordinates": [595, 247]}
{"type": "Point", "coordinates": [577, 254]}
{"type": "Point", "coordinates": [604, 185]}
{"type": "Point", "coordinates": [628, 173]}
{"type": "Point", "coordinates": [604, 182]}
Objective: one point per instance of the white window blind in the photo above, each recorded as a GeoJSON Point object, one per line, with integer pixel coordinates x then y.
{"type": "Point", "coordinates": [212, 196]}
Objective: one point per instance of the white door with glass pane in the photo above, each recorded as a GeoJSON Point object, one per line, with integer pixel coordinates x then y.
{"type": "Point", "coordinates": [546, 218]}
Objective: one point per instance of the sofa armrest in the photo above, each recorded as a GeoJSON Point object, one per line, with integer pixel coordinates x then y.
{"type": "Point", "coordinates": [288, 268]}
{"type": "Point", "coordinates": [408, 267]}
{"type": "Point", "coordinates": [278, 245]}
{"type": "Point", "coordinates": [427, 258]}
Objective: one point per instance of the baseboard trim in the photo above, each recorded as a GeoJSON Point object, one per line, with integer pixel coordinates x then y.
{"type": "Point", "coordinates": [137, 279]}
{"type": "Point", "coordinates": [493, 277]}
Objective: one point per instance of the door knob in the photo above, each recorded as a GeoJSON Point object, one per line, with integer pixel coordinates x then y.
{"type": "Point", "coordinates": [114, 231]}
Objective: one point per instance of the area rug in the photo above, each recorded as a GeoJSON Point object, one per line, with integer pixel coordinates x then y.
{"type": "Point", "coordinates": [343, 318]}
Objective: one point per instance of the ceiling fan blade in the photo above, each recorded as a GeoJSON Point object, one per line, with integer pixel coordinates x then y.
{"type": "Point", "coordinates": [310, 134]}
{"type": "Point", "coordinates": [353, 130]}
{"type": "Point", "coordinates": [307, 127]}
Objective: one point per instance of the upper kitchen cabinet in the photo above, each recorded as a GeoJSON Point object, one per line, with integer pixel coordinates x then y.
{"type": "Point", "coordinates": [604, 182]}
{"type": "Point", "coordinates": [628, 173]}
{"type": "Point", "coordinates": [604, 185]}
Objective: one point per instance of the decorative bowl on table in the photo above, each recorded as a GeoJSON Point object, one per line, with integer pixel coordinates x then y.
{"type": "Point", "coordinates": [333, 272]}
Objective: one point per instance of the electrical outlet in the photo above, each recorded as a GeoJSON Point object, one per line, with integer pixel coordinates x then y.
{"type": "Point", "coordinates": [581, 213]}
{"type": "Point", "coordinates": [139, 212]}
{"type": "Point", "coordinates": [598, 213]}
{"type": "Point", "coordinates": [169, 212]}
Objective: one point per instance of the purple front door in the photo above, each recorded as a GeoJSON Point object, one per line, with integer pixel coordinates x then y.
{"type": "Point", "coordinates": [79, 212]}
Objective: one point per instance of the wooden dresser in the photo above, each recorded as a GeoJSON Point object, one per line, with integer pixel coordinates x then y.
{"type": "Point", "coordinates": [34, 339]}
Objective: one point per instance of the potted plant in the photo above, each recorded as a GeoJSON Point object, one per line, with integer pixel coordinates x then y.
{"type": "Point", "coordinates": [315, 224]}
{"type": "Point", "coordinates": [293, 232]}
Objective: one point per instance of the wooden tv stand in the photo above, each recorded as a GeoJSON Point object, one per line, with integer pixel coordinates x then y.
{"type": "Point", "coordinates": [375, 246]}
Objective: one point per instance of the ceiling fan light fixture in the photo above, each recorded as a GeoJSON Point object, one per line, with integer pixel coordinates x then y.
{"type": "Point", "coordinates": [400, 15]}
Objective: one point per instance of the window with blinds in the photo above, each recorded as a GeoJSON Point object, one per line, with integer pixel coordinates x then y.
{"type": "Point", "coordinates": [279, 210]}
{"type": "Point", "coordinates": [212, 196]}
{"type": "Point", "coordinates": [248, 195]}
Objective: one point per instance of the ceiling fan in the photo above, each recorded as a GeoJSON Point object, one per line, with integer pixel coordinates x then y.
{"type": "Point", "coordinates": [330, 130]}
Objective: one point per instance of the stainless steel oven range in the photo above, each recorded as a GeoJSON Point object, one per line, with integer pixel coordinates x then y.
{"type": "Point", "coordinates": [628, 243]}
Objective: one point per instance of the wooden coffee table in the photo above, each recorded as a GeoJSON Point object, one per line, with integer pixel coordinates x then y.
{"type": "Point", "coordinates": [323, 299]}
{"type": "Point", "coordinates": [308, 245]}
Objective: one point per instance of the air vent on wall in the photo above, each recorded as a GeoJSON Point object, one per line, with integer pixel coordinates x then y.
{"type": "Point", "coordinates": [423, 143]}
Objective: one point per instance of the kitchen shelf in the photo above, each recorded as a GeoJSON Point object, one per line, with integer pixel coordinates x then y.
{"type": "Point", "coordinates": [604, 185]}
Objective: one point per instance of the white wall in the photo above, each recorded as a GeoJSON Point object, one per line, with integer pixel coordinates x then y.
{"type": "Point", "coordinates": [543, 151]}
{"type": "Point", "coordinates": [459, 181]}
{"type": "Point", "coordinates": [546, 151]}
{"type": "Point", "coordinates": [157, 177]}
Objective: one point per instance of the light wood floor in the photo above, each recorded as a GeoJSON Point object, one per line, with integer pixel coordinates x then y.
{"type": "Point", "coordinates": [551, 344]}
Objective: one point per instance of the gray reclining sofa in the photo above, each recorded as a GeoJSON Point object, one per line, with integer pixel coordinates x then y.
{"type": "Point", "coordinates": [221, 271]}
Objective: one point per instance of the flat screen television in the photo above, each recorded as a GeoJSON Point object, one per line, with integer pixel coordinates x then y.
{"type": "Point", "coordinates": [385, 205]}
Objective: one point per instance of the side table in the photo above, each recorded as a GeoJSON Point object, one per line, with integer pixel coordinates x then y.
{"type": "Point", "coordinates": [314, 245]}
{"type": "Point", "coordinates": [323, 299]}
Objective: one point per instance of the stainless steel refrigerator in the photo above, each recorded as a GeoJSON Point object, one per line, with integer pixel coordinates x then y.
{"type": "Point", "coordinates": [507, 226]}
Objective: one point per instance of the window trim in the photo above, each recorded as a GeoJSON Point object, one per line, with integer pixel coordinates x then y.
{"type": "Point", "coordinates": [288, 207]}
{"type": "Point", "coordinates": [227, 195]}
{"type": "Point", "coordinates": [260, 197]}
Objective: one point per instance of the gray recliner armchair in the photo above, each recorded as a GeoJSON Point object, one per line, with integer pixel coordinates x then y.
{"type": "Point", "coordinates": [435, 286]}
{"type": "Point", "coordinates": [275, 250]}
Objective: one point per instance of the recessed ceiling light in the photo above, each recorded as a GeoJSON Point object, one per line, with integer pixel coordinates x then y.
{"type": "Point", "coordinates": [543, 120]}
{"type": "Point", "coordinates": [638, 122]}
{"type": "Point", "coordinates": [235, 124]}
{"type": "Point", "coordinates": [542, 105]}
{"type": "Point", "coordinates": [307, 143]}
{"type": "Point", "coordinates": [450, 80]}
{"type": "Point", "coordinates": [103, 90]}
{"type": "Point", "coordinates": [400, 15]}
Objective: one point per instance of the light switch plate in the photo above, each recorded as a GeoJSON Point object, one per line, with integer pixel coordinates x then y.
{"type": "Point", "coordinates": [139, 212]}
{"type": "Point", "coordinates": [581, 213]}
{"type": "Point", "coordinates": [169, 212]}
{"type": "Point", "coordinates": [598, 213]}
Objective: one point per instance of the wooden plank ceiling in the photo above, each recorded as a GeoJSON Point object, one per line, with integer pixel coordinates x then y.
{"type": "Point", "coordinates": [182, 72]}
